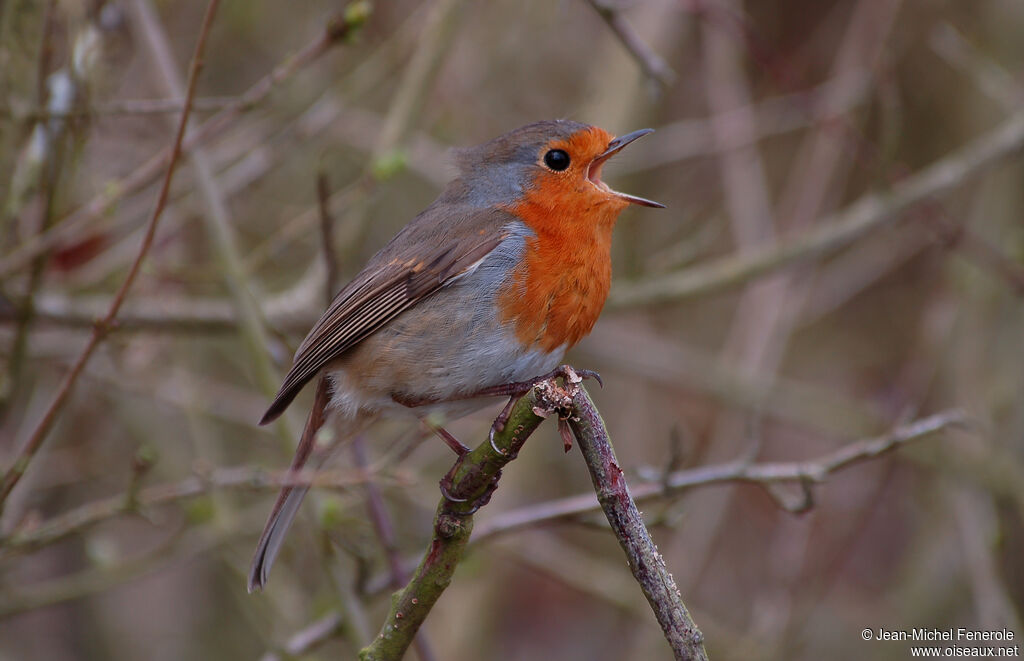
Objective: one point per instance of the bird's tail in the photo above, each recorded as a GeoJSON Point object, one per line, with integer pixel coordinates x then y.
{"type": "Point", "coordinates": [290, 498]}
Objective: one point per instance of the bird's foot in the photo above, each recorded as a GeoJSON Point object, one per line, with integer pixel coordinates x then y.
{"type": "Point", "coordinates": [455, 444]}
{"type": "Point", "coordinates": [480, 501]}
{"type": "Point", "coordinates": [518, 389]}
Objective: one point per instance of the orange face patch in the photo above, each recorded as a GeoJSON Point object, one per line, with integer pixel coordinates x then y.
{"type": "Point", "coordinates": [558, 290]}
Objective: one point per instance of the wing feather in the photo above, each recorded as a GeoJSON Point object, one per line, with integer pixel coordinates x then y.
{"type": "Point", "coordinates": [372, 299]}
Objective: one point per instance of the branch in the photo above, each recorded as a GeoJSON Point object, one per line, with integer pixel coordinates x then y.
{"type": "Point", "coordinates": [179, 547]}
{"type": "Point", "coordinates": [119, 108]}
{"type": "Point", "coordinates": [645, 561]}
{"type": "Point", "coordinates": [653, 66]}
{"type": "Point", "coordinates": [306, 640]}
{"type": "Point", "coordinates": [335, 30]}
{"type": "Point", "coordinates": [384, 529]}
{"type": "Point", "coordinates": [86, 516]}
{"type": "Point", "coordinates": [217, 223]}
{"type": "Point", "coordinates": [834, 233]}
{"type": "Point", "coordinates": [17, 469]}
{"type": "Point", "coordinates": [323, 197]}
{"type": "Point", "coordinates": [470, 484]}
{"type": "Point", "coordinates": [472, 479]}
{"type": "Point", "coordinates": [658, 487]}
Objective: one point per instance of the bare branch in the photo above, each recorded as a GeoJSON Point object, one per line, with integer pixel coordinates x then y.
{"type": "Point", "coordinates": [14, 473]}
{"type": "Point", "coordinates": [656, 487]}
{"type": "Point", "coordinates": [323, 198]}
{"type": "Point", "coordinates": [653, 66]}
{"type": "Point", "coordinates": [120, 108]}
{"type": "Point", "coordinates": [869, 213]}
{"type": "Point", "coordinates": [335, 30]}
{"type": "Point", "coordinates": [469, 486]}
{"type": "Point", "coordinates": [309, 638]}
{"type": "Point", "coordinates": [86, 516]}
{"type": "Point", "coordinates": [646, 563]}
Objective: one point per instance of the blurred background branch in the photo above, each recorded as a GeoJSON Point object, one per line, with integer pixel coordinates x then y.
{"type": "Point", "coordinates": [839, 273]}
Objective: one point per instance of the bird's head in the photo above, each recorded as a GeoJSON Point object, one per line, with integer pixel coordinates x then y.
{"type": "Point", "coordinates": [555, 164]}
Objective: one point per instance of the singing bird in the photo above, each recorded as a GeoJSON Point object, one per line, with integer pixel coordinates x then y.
{"type": "Point", "coordinates": [490, 285]}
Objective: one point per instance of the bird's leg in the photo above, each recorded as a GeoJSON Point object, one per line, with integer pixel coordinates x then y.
{"type": "Point", "coordinates": [455, 444]}
{"type": "Point", "coordinates": [461, 450]}
{"type": "Point", "coordinates": [520, 388]}
{"type": "Point", "coordinates": [513, 391]}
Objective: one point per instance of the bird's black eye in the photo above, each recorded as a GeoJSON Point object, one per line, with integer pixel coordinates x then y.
{"type": "Point", "coordinates": [556, 159]}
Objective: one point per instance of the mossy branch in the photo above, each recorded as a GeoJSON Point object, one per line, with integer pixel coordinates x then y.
{"type": "Point", "coordinates": [475, 476]}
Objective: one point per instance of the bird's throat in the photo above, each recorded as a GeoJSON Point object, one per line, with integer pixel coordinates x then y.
{"type": "Point", "coordinates": [556, 293]}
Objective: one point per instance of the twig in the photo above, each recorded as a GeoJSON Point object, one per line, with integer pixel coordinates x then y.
{"type": "Point", "coordinates": [179, 547]}
{"type": "Point", "coordinates": [384, 528]}
{"type": "Point", "coordinates": [387, 155]}
{"type": "Point", "coordinates": [653, 66]}
{"type": "Point", "coordinates": [762, 474]}
{"type": "Point", "coordinates": [657, 487]}
{"type": "Point", "coordinates": [216, 221]}
{"type": "Point", "coordinates": [45, 155]}
{"type": "Point", "coordinates": [420, 73]}
{"type": "Point", "coordinates": [646, 563]}
{"type": "Point", "coordinates": [335, 30]}
{"type": "Point", "coordinates": [323, 198]}
{"type": "Point", "coordinates": [990, 77]}
{"type": "Point", "coordinates": [122, 107]}
{"type": "Point", "coordinates": [86, 516]}
{"type": "Point", "coordinates": [21, 463]}
{"type": "Point", "coordinates": [831, 234]}
{"type": "Point", "coordinates": [469, 485]}
{"type": "Point", "coordinates": [306, 640]}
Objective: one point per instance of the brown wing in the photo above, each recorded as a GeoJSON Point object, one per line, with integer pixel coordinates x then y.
{"type": "Point", "coordinates": [382, 292]}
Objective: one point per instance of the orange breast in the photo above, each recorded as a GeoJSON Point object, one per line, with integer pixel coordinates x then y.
{"type": "Point", "coordinates": [557, 291]}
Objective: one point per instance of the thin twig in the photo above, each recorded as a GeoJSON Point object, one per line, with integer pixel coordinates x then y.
{"type": "Point", "coordinates": [323, 198]}
{"type": "Point", "coordinates": [309, 638]}
{"type": "Point", "coordinates": [120, 108]}
{"type": "Point", "coordinates": [653, 66]}
{"type": "Point", "coordinates": [384, 528]}
{"type": "Point", "coordinates": [217, 224]}
{"type": "Point", "coordinates": [646, 563]}
{"type": "Point", "coordinates": [48, 161]}
{"type": "Point", "coordinates": [86, 516]}
{"type": "Point", "coordinates": [656, 487]}
{"type": "Point", "coordinates": [834, 233]}
{"type": "Point", "coordinates": [21, 463]}
{"type": "Point", "coordinates": [335, 30]}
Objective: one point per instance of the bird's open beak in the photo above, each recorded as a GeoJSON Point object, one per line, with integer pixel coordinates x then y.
{"type": "Point", "coordinates": [614, 147]}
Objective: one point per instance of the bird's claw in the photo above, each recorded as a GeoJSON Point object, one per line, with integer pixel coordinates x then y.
{"type": "Point", "coordinates": [483, 499]}
{"type": "Point", "coordinates": [591, 374]}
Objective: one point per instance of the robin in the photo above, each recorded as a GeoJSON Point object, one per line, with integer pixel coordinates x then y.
{"type": "Point", "coordinates": [483, 291]}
